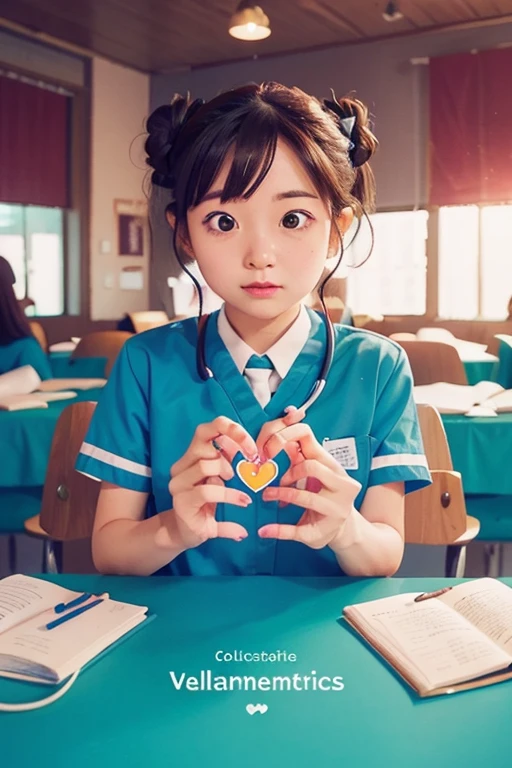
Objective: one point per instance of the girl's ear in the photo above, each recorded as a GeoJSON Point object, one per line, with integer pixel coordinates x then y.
{"type": "Point", "coordinates": [344, 222]}
{"type": "Point", "coordinates": [183, 238]}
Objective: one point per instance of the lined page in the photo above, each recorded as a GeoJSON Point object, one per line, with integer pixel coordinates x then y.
{"type": "Point", "coordinates": [435, 641]}
{"type": "Point", "coordinates": [22, 597]}
{"type": "Point", "coordinates": [80, 638]}
{"type": "Point", "coordinates": [487, 605]}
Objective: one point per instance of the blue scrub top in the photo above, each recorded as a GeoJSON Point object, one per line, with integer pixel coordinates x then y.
{"type": "Point", "coordinates": [155, 399]}
{"type": "Point", "coordinates": [26, 351]}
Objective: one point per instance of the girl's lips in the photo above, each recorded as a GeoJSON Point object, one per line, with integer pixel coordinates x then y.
{"type": "Point", "coordinates": [260, 292]}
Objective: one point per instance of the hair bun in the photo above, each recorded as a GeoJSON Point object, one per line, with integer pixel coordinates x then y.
{"type": "Point", "coordinates": [363, 143]}
{"type": "Point", "coordinates": [163, 127]}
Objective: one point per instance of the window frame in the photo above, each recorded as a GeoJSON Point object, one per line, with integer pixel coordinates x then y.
{"type": "Point", "coordinates": [79, 191]}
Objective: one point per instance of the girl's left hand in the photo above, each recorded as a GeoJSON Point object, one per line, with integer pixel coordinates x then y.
{"type": "Point", "coordinates": [329, 495]}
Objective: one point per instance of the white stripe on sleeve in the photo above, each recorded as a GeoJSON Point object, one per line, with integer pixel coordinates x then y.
{"type": "Point", "coordinates": [115, 461]}
{"type": "Point", "coordinates": [399, 460]}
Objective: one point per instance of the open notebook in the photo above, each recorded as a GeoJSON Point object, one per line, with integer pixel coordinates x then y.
{"type": "Point", "coordinates": [22, 389]}
{"type": "Point", "coordinates": [459, 640]}
{"type": "Point", "coordinates": [30, 651]}
{"type": "Point", "coordinates": [483, 399]}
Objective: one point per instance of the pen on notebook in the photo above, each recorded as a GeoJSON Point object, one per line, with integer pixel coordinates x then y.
{"type": "Point", "coordinates": [61, 607]}
{"type": "Point", "coordinates": [76, 612]}
{"type": "Point", "coordinates": [428, 595]}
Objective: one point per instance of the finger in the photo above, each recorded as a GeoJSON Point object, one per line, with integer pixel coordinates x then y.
{"type": "Point", "coordinates": [215, 494]}
{"type": "Point", "coordinates": [313, 469]}
{"type": "Point", "coordinates": [293, 416]}
{"type": "Point", "coordinates": [317, 502]}
{"type": "Point", "coordinates": [279, 531]}
{"type": "Point", "coordinates": [200, 471]}
{"type": "Point", "coordinates": [201, 446]}
{"type": "Point", "coordinates": [309, 446]}
{"type": "Point", "coordinates": [228, 447]}
{"type": "Point", "coordinates": [231, 531]}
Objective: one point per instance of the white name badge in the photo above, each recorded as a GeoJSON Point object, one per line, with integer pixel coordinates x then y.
{"type": "Point", "coordinates": [343, 450]}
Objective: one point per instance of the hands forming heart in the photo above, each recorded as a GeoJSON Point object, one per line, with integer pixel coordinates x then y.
{"type": "Point", "coordinates": [198, 482]}
{"type": "Point", "coordinates": [328, 494]}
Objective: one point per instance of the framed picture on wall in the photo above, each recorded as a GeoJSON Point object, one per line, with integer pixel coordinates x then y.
{"type": "Point", "coordinates": [131, 227]}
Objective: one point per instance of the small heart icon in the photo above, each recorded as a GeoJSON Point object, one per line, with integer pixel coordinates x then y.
{"type": "Point", "coordinates": [257, 476]}
{"type": "Point", "coordinates": [252, 708]}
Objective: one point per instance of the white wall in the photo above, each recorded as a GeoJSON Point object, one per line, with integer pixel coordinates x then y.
{"type": "Point", "coordinates": [119, 108]}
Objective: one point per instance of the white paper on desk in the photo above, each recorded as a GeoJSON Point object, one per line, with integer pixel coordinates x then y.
{"type": "Point", "coordinates": [21, 403]}
{"type": "Point", "coordinates": [20, 381]}
{"type": "Point", "coordinates": [459, 398]}
{"type": "Point", "coordinates": [56, 385]}
{"type": "Point", "coordinates": [50, 397]}
{"type": "Point", "coordinates": [63, 346]}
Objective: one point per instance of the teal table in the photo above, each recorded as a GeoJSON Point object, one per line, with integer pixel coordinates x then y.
{"type": "Point", "coordinates": [481, 451]}
{"type": "Point", "coordinates": [481, 370]}
{"type": "Point", "coordinates": [124, 712]}
{"type": "Point", "coordinates": [25, 442]}
{"type": "Point", "coordinates": [505, 368]}
{"type": "Point", "coordinates": [63, 367]}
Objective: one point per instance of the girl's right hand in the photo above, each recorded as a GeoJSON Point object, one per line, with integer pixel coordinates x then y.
{"type": "Point", "coordinates": [197, 482]}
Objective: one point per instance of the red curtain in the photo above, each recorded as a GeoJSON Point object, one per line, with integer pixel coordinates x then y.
{"type": "Point", "coordinates": [34, 145]}
{"type": "Point", "coordinates": [471, 128]}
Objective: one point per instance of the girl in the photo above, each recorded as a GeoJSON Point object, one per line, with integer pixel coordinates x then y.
{"type": "Point", "coordinates": [17, 344]}
{"type": "Point", "coordinates": [263, 441]}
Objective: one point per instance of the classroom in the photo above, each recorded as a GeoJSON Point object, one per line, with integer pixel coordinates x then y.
{"type": "Point", "coordinates": [256, 382]}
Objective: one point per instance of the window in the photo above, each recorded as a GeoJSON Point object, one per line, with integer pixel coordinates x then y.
{"type": "Point", "coordinates": [31, 239]}
{"type": "Point", "coordinates": [394, 279]}
{"type": "Point", "coordinates": [475, 262]}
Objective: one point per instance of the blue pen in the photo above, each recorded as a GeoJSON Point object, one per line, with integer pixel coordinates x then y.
{"type": "Point", "coordinates": [72, 614]}
{"type": "Point", "coordinates": [61, 607]}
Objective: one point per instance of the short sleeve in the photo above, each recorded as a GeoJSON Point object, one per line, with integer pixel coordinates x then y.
{"type": "Point", "coordinates": [116, 448]}
{"type": "Point", "coordinates": [398, 454]}
{"type": "Point", "coordinates": [31, 353]}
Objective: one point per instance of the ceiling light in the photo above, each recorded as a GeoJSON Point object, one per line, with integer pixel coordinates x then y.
{"type": "Point", "coordinates": [392, 12]}
{"type": "Point", "coordinates": [249, 22]}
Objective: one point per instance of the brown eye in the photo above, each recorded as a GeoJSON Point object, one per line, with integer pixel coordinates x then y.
{"type": "Point", "coordinates": [221, 222]}
{"type": "Point", "coordinates": [294, 220]}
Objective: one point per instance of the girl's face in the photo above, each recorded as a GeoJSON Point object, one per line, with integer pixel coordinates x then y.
{"type": "Point", "coordinates": [265, 254]}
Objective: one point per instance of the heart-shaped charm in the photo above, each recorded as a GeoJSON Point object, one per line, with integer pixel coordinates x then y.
{"type": "Point", "coordinates": [257, 476]}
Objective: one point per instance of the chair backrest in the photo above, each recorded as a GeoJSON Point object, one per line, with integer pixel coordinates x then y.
{"type": "Point", "coordinates": [143, 321]}
{"type": "Point", "coordinates": [436, 514]}
{"type": "Point", "coordinates": [433, 361]}
{"type": "Point", "coordinates": [102, 344]}
{"type": "Point", "coordinates": [69, 498]}
{"type": "Point", "coordinates": [39, 333]}
{"type": "Point", "coordinates": [434, 438]}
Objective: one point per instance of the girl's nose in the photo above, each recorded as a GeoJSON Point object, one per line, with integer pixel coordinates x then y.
{"type": "Point", "coordinates": [260, 254]}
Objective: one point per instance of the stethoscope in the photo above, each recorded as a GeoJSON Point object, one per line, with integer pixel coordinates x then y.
{"type": "Point", "coordinates": [206, 373]}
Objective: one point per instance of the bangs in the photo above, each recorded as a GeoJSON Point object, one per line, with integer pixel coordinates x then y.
{"type": "Point", "coordinates": [251, 142]}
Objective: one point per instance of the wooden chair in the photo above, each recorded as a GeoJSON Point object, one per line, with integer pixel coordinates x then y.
{"type": "Point", "coordinates": [39, 333]}
{"type": "Point", "coordinates": [437, 515]}
{"type": "Point", "coordinates": [69, 498]}
{"type": "Point", "coordinates": [143, 321]}
{"type": "Point", "coordinates": [433, 361]}
{"type": "Point", "coordinates": [102, 344]}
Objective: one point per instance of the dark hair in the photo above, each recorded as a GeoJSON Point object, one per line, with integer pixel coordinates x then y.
{"type": "Point", "coordinates": [188, 142]}
{"type": "Point", "coordinates": [13, 323]}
